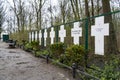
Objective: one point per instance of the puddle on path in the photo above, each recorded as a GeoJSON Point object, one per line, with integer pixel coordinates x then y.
{"type": "Point", "coordinates": [22, 63]}
{"type": "Point", "coordinates": [12, 57]}
{"type": "Point", "coordinates": [30, 67]}
{"type": "Point", "coordinates": [12, 52]}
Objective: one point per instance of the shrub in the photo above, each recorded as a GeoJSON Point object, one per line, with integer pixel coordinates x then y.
{"type": "Point", "coordinates": [44, 53]}
{"type": "Point", "coordinates": [57, 49]}
{"type": "Point", "coordinates": [74, 54]}
{"type": "Point", "coordinates": [111, 70]}
{"type": "Point", "coordinates": [28, 46]}
{"type": "Point", "coordinates": [35, 45]}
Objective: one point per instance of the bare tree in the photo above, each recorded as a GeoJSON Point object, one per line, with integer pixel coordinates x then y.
{"type": "Point", "coordinates": [37, 7]}
{"type": "Point", "coordinates": [63, 11]}
{"type": "Point", "coordinates": [2, 19]}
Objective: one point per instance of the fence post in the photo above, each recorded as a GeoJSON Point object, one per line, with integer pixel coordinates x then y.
{"type": "Point", "coordinates": [47, 58]}
{"type": "Point", "coordinates": [31, 36]}
{"type": "Point", "coordinates": [34, 36]}
{"type": "Point", "coordinates": [42, 31]}
{"type": "Point", "coordinates": [74, 69]}
{"type": "Point", "coordinates": [86, 40]}
{"type": "Point", "coordinates": [56, 34]}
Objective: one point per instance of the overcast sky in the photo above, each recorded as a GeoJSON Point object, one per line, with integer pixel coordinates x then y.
{"type": "Point", "coordinates": [54, 2]}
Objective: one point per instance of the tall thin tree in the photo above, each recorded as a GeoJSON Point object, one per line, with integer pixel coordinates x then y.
{"type": "Point", "coordinates": [1, 16]}
{"type": "Point", "coordinates": [111, 41]}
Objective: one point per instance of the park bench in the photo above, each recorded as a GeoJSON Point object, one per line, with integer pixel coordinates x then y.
{"type": "Point", "coordinates": [12, 43]}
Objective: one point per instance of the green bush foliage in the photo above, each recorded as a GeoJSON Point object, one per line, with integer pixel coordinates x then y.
{"type": "Point", "coordinates": [57, 50]}
{"type": "Point", "coordinates": [28, 46]}
{"type": "Point", "coordinates": [74, 54]}
{"type": "Point", "coordinates": [35, 45]}
{"type": "Point", "coordinates": [111, 70]}
{"type": "Point", "coordinates": [44, 53]}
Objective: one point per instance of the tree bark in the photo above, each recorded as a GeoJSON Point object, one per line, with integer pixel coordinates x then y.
{"type": "Point", "coordinates": [111, 41]}
{"type": "Point", "coordinates": [92, 10]}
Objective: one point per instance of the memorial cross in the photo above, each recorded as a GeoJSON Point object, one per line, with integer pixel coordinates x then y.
{"type": "Point", "coordinates": [76, 32]}
{"type": "Point", "coordinates": [52, 35]}
{"type": "Point", "coordinates": [40, 36]}
{"type": "Point", "coordinates": [45, 37]}
{"type": "Point", "coordinates": [99, 30]}
{"type": "Point", "coordinates": [62, 33]}
{"type": "Point", "coordinates": [32, 36]}
{"type": "Point", "coordinates": [36, 35]}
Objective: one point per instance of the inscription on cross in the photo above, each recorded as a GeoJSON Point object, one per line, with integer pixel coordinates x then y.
{"type": "Point", "coordinates": [62, 33]}
{"type": "Point", "coordinates": [76, 32]}
{"type": "Point", "coordinates": [40, 36]}
{"type": "Point", "coordinates": [52, 35]}
{"type": "Point", "coordinates": [45, 37]}
{"type": "Point", "coordinates": [99, 30]}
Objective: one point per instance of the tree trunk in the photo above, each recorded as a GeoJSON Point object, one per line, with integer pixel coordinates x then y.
{"type": "Point", "coordinates": [73, 9]}
{"type": "Point", "coordinates": [87, 9]}
{"type": "Point", "coordinates": [92, 11]}
{"type": "Point", "coordinates": [111, 41]}
{"type": "Point", "coordinates": [87, 31]}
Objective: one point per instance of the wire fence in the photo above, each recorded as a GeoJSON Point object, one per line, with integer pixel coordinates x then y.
{"type": "Point", "coordinates": [89, 32]}
{"type": "Point", "coordinates": [93, 33]}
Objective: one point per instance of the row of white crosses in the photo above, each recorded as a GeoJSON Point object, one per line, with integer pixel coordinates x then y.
{"type": "Point", "coordinates": [99, 30]}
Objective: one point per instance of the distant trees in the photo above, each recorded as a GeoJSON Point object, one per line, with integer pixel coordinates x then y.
{"type": "Point", "coordinates": [2, 14]}
{"type": "Point", "coordinates": [20, 13]}
{"type": "Point", "coordinates": [37, 6]}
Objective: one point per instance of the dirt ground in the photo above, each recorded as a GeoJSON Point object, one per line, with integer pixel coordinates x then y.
{"type": "Point", "coordinates": [16, 64]}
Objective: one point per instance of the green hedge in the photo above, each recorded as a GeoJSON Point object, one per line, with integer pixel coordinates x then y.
{"type": "Point", "coordinates": [110, 71]}
{"type": "Point", "coordinates": [57, 50]}
{"type": "Point", "coordinates": [74, 54]}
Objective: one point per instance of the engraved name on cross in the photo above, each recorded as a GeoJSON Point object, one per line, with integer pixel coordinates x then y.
{"type": "Point", "coordinates": [62, 33]}
{"type": "Point", "coordinates": [76, 32]}
{"type": "Point", "coordinates": [99, 30]}
{"type": "Point", "coordinates": [52, 35]}
{"type": "Point", "coordinates": [40, 36]}
{"type": "Point", "coordinates": [45, 37]}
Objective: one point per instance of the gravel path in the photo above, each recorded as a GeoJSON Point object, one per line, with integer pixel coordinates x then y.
{"type": "Point", "coordinates": [16, 64]}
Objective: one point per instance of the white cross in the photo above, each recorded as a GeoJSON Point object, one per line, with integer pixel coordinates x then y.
{"type": "Point", "coordinates": [40, 36]}
{"type": "Point", "coordinates": [52, 35]}
{"type": "Point", "coordinates": [36, 35]}
{"type": "Point", "coordinates": [45, 37]}
{"type": "Point", "coordinates": [32, 36]}
{"type": "Point", "coordinates": [99, 30]}
{"type": "Point", "coordinates": [76, 32]}
{"type": "Point", "coordinates": [62, 33]}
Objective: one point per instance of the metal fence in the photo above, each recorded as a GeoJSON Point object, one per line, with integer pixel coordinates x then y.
{"type": "Point", "coordinates": [89, 32]}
